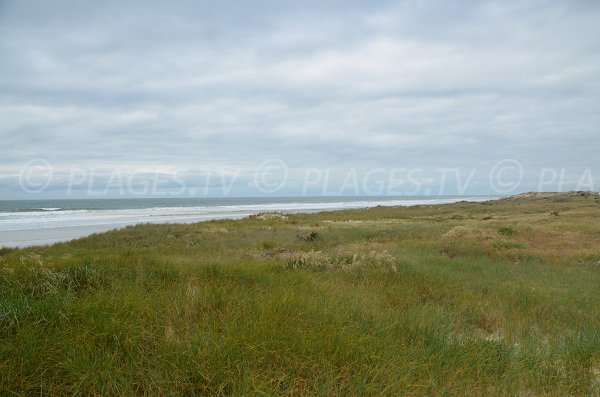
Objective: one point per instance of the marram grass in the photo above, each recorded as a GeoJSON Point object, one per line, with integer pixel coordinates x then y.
{"type": "Point", "coordinates": [478, 299]}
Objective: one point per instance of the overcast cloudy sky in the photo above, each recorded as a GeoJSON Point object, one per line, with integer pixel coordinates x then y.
{"type": "Point", "coordinates": [190, 88]}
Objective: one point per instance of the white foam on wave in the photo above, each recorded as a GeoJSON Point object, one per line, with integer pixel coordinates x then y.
{"type": "Point", "coordinates": [56, 218]}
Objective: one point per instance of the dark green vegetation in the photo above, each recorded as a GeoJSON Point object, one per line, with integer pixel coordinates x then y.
{"type": "Point", "coordinates": [497, 298]}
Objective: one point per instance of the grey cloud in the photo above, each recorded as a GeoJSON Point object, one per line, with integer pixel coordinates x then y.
{"type": "Point", "coordinates": [327, 84]}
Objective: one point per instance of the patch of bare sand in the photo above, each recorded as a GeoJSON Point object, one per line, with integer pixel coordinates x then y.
{"type": "Point", "coordinates": [367, 222]}
{"type": "Point", "coordinates": [469, 232]}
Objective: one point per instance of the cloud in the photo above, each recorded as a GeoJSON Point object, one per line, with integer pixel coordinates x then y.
{"type": "Point", "coordinates": [328, 84]}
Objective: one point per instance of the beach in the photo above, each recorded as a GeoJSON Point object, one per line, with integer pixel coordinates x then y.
{"type": "Point", "coordinates": [469, 298]}
{"type": "Point", "coordinates": [47, 222]}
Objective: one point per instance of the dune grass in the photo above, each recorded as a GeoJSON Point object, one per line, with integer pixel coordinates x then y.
{"type": "Point", "coordinates": [495, 298]}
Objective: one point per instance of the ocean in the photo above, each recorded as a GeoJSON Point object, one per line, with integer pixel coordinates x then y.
{"type": "Point", "coordinates": [31, 222]}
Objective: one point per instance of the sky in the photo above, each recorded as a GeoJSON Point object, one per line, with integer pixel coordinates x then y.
{"type": "Point", "coordinates": [211, 98]}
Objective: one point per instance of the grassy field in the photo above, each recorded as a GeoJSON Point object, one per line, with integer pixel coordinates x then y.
{"type": "Point", "coordinates": [494, 298]}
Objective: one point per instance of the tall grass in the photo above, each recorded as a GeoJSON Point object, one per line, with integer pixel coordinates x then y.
{"type": "Point", "coordinates": [384, 301]}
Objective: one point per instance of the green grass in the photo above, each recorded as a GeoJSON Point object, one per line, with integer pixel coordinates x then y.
{"type": "Point", "coordinates": [428, 300]}
{"type": "Point", "coordinates": [507, 230]}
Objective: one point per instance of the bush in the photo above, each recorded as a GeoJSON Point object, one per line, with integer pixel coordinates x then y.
{"type": "Point", "coordinates": [320, 261]}
{"type": "Point", "coordinates": [309, 236]}
{"type": "Point", "coordinates": [507, 230]}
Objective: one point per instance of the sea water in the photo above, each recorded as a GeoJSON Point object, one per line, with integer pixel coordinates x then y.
{"type": "Point", "coordinates": [20, 219]}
